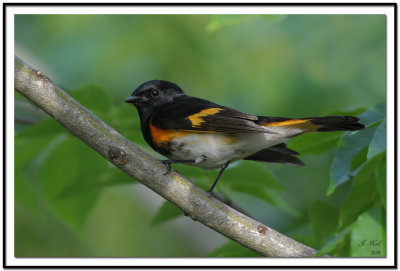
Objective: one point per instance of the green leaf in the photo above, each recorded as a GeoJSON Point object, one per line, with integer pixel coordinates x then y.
{"type": "Point", "coordinates": [272, 197]}
{"type": "Point", "coordinates": [334, 243]}
{"type": "Point", "coordinates": [350, 145]}
{"type": "Point", "coordinates": [254, 191]}
{"type": "Point", "coordinates": [69, 180]}
{"type": "Point", "coordinates": [343, 247]}
{"type": "Point", "coordinates": [316, 143]}
{"type": "Point", "coordinates": [42, 128]}
{"type": "Point", "coordinates": [251, 174]}
{"type": "Point", "coordinates": [368, 170]}
{"type": "Point", "coordinates": [354, 112]}
{"type": "Point", "coordinates": [378, 142]}
{"type": "Point", "coordinates": [115, 176]}
{"type": "Point", "coordinates": [260, 185]}
{"type": "Point", "coordinates": [304, 233]}
{"type": "Point", "coordinates": [366, 236]}
{"type": "Point", "coordinates": [27, 150]}
{"type": "Point", "coordinates": [381, 180]}
{"type": "Point", "coordinates": [359, 159]}
{"type": "Point", "coordinates": [233, 249]}
{"type": "Point", "coordinates": [362, 195]}
{"type": "Point", "coordinates": [324, 218]}
{"type": "Point", "coordinates": [31, 148]}
{"type": "Point", "coordinates": [219, 21]}
{"type": "Point", "coordinates": [35, 140]}
{"type": "Point", "coordinates": [166, 212]}
{"type": "Point", "coordinates": [383, 227]}
{"type": "Point", "coordinates": [93, 97]}
{"type": "Point", "coordinates": [203, 182]}
{"type": "Point", "coordinates": [373, 115]}
{"type": "Point", "coordinates": [25, 193]}
{"type": "Point", "coordinates": [281, 203]}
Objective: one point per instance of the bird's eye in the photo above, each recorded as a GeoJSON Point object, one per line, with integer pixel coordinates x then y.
{"type": "Point", "coordinates": [155, 93]}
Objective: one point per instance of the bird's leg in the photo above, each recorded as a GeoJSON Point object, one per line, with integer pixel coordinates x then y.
{"type": "Point", "coordinates": [210, 191]}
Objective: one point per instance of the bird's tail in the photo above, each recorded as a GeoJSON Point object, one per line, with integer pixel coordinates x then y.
{"type": "Point", "coordinates": [314, 124]}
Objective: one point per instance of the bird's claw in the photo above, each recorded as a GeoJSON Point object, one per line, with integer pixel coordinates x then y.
{"type": "Point", "coordinates": [210, 192]}
{"type": "Point", "coordinates": [167, 163]}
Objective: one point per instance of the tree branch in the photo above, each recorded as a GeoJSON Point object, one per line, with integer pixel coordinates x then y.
{"type": "Point", "coordinates": [35, 86]}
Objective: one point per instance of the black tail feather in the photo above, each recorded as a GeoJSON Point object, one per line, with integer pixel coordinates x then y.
{"type": "Point", "coordinates": [337, 123]}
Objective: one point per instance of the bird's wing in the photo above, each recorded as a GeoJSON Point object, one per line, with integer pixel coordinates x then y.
{"type": "Point", "coordinates": [190, 113]}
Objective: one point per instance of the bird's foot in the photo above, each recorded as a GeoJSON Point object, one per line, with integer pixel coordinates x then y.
{"type": "Point", "coordinates": [210, 192]}
{"type": "Point", "coordinates": [168, 164]}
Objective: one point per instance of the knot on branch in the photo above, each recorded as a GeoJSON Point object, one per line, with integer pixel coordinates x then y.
{"type": "Point", "coordinates": [41, 76]}
{"type": "Point", "coordinates": [117, 156]}
{"type": "Point", "coordinates": [262, 229]}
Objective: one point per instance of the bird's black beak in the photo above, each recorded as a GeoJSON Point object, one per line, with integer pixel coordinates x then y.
{"type": "Point", "coordinates": [133, 100]}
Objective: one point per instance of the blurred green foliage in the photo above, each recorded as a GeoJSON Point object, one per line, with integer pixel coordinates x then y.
{"type": "Point", "coordinates": [71, 202]}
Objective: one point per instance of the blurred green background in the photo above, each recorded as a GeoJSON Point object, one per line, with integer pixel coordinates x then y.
{"type": "Point", "coordinates": [71, 203]}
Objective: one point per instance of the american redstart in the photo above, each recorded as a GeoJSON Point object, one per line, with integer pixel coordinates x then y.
{"type": "Point", "coordinates": [201, 133]}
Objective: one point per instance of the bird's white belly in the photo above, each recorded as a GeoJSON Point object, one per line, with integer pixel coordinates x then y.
{"type": "Point", "coordinates": [212, 150]}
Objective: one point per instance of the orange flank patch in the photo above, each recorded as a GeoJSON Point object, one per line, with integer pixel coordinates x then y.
{"type": "Point", "coordinates": [304, 124]}
{"type": "Point", "coordinates": [197, 119]}
{"type": "Point", "coordinates": [163, 136]}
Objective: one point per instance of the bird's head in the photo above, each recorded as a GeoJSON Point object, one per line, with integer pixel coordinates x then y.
{"type": "Point", "coordinates": [154, 93]}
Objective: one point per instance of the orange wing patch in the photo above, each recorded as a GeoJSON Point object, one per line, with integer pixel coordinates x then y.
{"type": "Point", "coordinates": [304, 124]}
{"type": "Point", "coordinates": [162, 137]}
{"type": "Point", "coordinates": [197, 119]}
{"type": "Point", "coordinates": [286, 122]}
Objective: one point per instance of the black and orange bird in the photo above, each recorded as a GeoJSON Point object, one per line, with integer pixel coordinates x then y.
{"type": "Point", "coordinates": [200, 133]}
